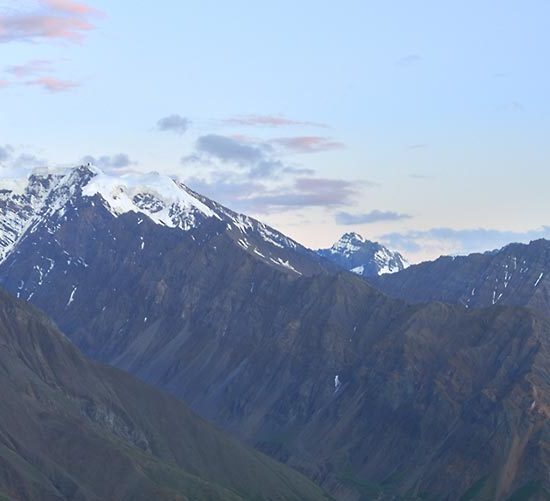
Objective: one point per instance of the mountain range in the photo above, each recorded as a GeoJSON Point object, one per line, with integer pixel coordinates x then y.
{"type": "Point", "coordinates": [370, 396]}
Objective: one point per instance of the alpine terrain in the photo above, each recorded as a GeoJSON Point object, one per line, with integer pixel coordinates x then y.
{"type": "Point", "coordinates": [371, 397]}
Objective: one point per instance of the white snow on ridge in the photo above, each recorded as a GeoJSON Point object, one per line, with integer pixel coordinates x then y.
{"type": "Point", "coordinates": [159, 197]}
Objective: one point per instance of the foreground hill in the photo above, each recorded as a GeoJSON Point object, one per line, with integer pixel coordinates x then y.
{"type": "Point", "coordinates": [369, 396]}
{"type": "Point", "coordinates": [517, 274]}
{"type": "Point", "coordinates": [71, 429]}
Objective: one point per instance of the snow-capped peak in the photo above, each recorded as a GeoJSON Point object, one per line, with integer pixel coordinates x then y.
{"type": "Point", "coordinates": [49, 198]}
{"type": "Point", "coordinates": [348, 244]}
{"type": "Point", "coordinates": [162, 198]}
{"type": "Point", "coordinates": [364, 257]}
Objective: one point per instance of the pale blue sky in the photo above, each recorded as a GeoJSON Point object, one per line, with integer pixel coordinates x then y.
{"type": "Point", "coordinates": [437, 111]}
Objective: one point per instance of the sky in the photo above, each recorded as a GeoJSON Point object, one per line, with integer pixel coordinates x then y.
{"type": "Point", "coordinates": [423, 125]}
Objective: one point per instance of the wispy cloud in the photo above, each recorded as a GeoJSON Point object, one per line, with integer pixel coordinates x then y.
{"type": "Point", "coordinates": [109, 162]}
{"type": "Point", "coordinates": [52, 84]}
{"type": "Point", "coordinates": [375, 216]}
{"type": "Point", "coordinates": [229, 149]}
{"type": "Point", "coordinates": [409, 59]}
{"type": "Point", "coordinates": [4, 84]}
{"type": "Point", "coordinates": [65, 20]}
{"type": "Point", "coordinates": [460, 241]}
{"type": "Point", "coordinates": [173, 123]}
{"type": "Point", "coordinates": [248, 195]}
{"type": "Point", "coordinates": [251, 174]}
{"type": "Point", "coordinates": [15, 162]}
{"type": "Point", "coordinates": [5, 153]}
{"type": "Point", "coordinates": [30, 68]}
{"type": "Point", "coordinates": [417, 146]}
{"type": "Point", "coordinates": [307, 144]}
{"type": "Point", "coordinates": [268, 121]}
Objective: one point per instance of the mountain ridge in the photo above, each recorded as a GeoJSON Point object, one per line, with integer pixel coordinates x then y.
{"type": "Point", "coordinates": [281, 358]}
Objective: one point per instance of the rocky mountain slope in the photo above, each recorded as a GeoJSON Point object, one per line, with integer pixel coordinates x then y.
{"type": "Point", "coordinates": [363, 257]}
{"type": "Point", "coordinates": [369, 396]}
{"type": "Point", "coordinates": [72, 429]}
{"type": "Point", "coordinates": [517, 274]}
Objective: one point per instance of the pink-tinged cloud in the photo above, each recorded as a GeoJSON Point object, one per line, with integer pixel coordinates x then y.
{"type": "Point", "coordinates": [53, 84]}
{"type": "Point", "coordinates": [34, 67]}
{"type": "Point", "coordinates": [307, 144]}
{"type": "Point", "coordinates": [4, 84]}
{"type": "Point", "coordinates": [71, 7]}
{"type": "Point", "coordinates": [55, 19]}
{"type": "Point", "coordinates": [268, 121]}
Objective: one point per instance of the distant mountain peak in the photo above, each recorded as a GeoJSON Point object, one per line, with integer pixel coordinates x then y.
{"type": "Point", "coordinates": [363, 257]}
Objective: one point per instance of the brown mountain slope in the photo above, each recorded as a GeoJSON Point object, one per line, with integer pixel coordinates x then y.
{"type": "Point", "coordinates": [71, 429]}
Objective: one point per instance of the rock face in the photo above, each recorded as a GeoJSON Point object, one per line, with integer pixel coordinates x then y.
{"type": "Point", "coordinates": [517, 274]}
{"type": "Point", "coordinates": [72, 429]}
{"type": "Point", "coordinates": [369, 396]}
{"type": "Point", "coordinates": [363, 257]}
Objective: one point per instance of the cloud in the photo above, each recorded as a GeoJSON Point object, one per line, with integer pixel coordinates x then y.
{"type": "Point", "coordinates": [114, 162]}
{"type": "Point", "coordinates": [26, 161]}
{"type": "Point", "coordinates": [409, 60]}
{"type": "Point", "coordinates": [5, 152]}
{"type": "Point", "coordinates": [228, 149]}
{"type": "Point", "coordinates": [375, 216]}
{"type": "Point", "coordinates": [4, 84]}
{"type": "Point", "coordinates": [463, 241]}
{"type": "Point", "coordinates": [307, 144]}
{"type": "Point", "coordinates": [268, 121]}
{"type": "Point", "coordinates": [418, 146]}
{"type": "Point", "coordinates": [11, 159]}
{"type": "Point", "coordinates": [249, 195]}
{"type": "Point", "coordinates": [174, 123]}
{"type": "Point", "coordinates": [34, 67]}
{"type": "Point", "coordinates": [52, 84]}
{"type": "Point", "coordinates": [66, 20]}
{"type": "Point", "coordinates": [248, 174]}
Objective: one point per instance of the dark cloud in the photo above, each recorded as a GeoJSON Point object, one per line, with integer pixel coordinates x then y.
{"type": "Point", "coordinates": [307, 144]}
{"type": "Point", "coordinates": [66, 20]}
{"type": "Point", "coordinates": [461, 241]}
{"type": "Point", "coordinates": [174, 123]}
{"type": "Point", "coordinates": [268, 121]}
{"type": "Point", "coordinates": [118, 161]}
{"type": "Point", "coordinates": [375, 216]}
{"type": "Point", "coordinates": [228, 149]}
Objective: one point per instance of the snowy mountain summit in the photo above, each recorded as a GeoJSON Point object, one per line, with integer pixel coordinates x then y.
{"type": "Point", "coordinates": [364, 257]}
{"type": "Point", "coordinates": [49, 199]}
